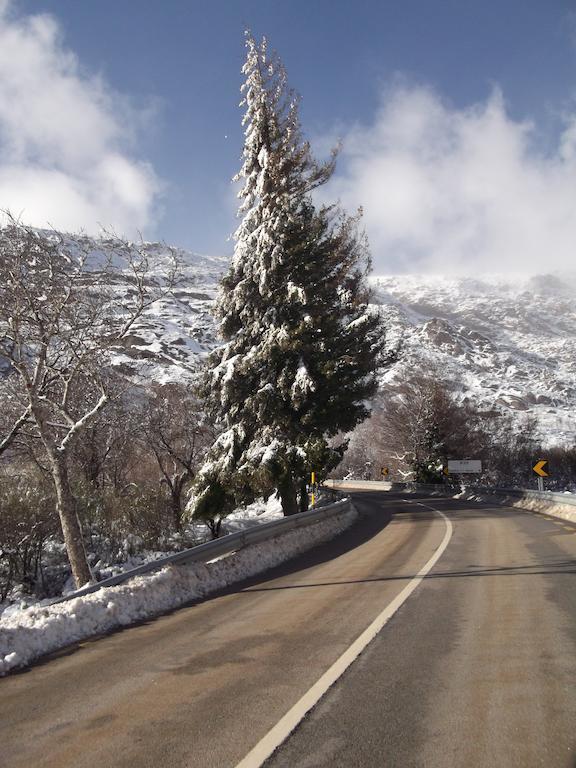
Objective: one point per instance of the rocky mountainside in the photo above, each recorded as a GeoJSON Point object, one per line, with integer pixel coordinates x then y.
{"type": "Point", "coordinates": [176, 333]}
{"type": "Point", "coordinates": [506, 342]}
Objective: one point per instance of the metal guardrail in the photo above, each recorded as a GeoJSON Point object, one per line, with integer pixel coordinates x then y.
{"type": "Point", "coordinates": [558, 498]}
{"type": "Point", "coordinates": [387, 485]}
{"type": "Point", "coordinates": [520, 493]}
{"type": "Point", "coordinates": [203, 553]}
{"type": "Point", "coordinates": [526, 493]}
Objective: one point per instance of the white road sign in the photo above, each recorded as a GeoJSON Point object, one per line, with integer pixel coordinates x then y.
{"type": "Point", "coordinates": [464, 467]}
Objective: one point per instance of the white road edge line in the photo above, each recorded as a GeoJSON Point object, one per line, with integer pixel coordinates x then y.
{"type": "Point", "coordinates": [284, 727]}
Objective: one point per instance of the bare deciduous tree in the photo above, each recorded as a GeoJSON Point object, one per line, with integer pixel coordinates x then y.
{"type": "Point", "coordinates": [62, 310]}
{"type": "Point", "coordinates": [176, 431]}
{"type": "Point", "coordinates": [413, 431]}
{"type": "Point", "coordinates": [424, 425]}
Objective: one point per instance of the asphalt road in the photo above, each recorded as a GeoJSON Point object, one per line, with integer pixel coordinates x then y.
{"type": "Point", "coordinates": [477, 668]}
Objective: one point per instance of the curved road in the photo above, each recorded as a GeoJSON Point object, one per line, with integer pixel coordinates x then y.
{"type": "Point", "coordinates": [477, 668]}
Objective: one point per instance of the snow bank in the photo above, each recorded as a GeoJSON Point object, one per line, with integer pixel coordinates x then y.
{"type": "Point", "coordinates": [551, 507]}
{"type": "Point", "coordinates": [31, 633]}
{"type": "Point", "coordinates": [555, 508]}
{"type": "Point", "coordinates": [257, 513]}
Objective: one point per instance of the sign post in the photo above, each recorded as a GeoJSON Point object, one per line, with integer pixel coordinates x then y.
{"type": "Point", "coordinates": [540, 469]}
{"type": "Point", "coordinates": [384, 471]}
{"type": "Point", "coordinates": [313, 484]}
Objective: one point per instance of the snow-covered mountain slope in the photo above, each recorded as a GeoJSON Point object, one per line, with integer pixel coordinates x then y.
{"type": "Point", "coordinates": [506, 342]}
{"type": "Point", "coordinates": [177, 332]}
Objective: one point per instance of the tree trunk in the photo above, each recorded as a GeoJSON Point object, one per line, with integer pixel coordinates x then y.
{"type": "Point", "coordinates": [303, 496]}
{"type": "Point", "coordinates": [176, 502]}
{"type": "Point", "coordinates": [215, 524]}
{"type": "Point", "coordinates": [176, 485]}
{"type": "Point", "coordinates": [66, 506]}
{"type": "Point", "coordinates": [287, 491]}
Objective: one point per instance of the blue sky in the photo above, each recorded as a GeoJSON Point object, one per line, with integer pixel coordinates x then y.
{"type": "Point", "coordinates": [451, 113]}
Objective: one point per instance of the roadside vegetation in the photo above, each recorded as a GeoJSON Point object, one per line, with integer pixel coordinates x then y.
{"type": "Point", "coordinates": [129, 474]}
{"type": "Point", "coordinates": [426, 420]}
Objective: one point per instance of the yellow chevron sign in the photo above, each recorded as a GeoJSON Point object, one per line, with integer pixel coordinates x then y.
{"type": "Point", "coordinates": [539, 468]}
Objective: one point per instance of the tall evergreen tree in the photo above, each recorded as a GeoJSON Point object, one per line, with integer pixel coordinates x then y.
{"type": "Point", "coordinates": [302, 345]}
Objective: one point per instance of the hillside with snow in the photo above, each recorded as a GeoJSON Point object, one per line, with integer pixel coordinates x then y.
{"type": "Point", "coordinates": [508, 342]}
{"type": "Point", "coordinates": [169, 343]}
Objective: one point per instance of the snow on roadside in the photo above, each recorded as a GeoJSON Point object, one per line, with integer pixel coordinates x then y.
{"type": "Point", "coordinates": [256, 513]}
{"type": "Point", "coordinates": [551, 507]}
{"type": "Point", "coordinates": [135, 554]}
{"type": "Point", "coordinates": [31, 633]}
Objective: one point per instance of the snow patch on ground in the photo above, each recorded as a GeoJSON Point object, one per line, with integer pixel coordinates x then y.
{"type": "Point", "coordinates": [254, 514]}
{"type": "Point", "coordinates": [29, 634]}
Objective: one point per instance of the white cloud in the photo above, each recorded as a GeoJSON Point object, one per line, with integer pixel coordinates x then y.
{"type": "Point", "coordinates": [65, 137]}
{"type": "Point", "coordinates": [446, 189]}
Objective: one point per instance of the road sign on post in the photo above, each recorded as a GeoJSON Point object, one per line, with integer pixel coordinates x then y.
{"type": "Point", "coordinates": [313, 484]}
{"type": "Point", "coordinates": [540, 469]}
{"type": "Point", "coordinates": [384, 471]}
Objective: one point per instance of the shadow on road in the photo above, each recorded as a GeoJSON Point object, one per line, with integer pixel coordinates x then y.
{"type": "Point", "coordinates": [373, 519]}
{"type": "Point", "coordinates": [376, 510]}
{"type": "Point", "coordinates": [565, 567]}
{"type": "Point", "coordinates": [416, 505]}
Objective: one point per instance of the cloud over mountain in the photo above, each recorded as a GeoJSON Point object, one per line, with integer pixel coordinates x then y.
{"type": "Point", "coordinates": [446, 189]}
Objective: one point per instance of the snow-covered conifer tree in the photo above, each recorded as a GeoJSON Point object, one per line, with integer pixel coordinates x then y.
{"type": "Point", "coordinates": [302, 345]}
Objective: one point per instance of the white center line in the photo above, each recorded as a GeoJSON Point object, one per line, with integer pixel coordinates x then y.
{"type": "Point", "coordinates": [284, 727]}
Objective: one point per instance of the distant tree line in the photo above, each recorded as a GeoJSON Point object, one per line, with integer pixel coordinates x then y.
{"type": "Point", "coordinates": [417, 426]}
